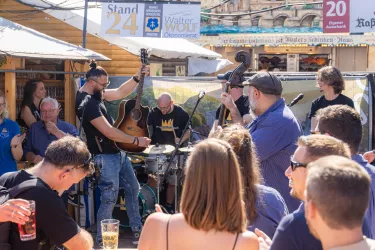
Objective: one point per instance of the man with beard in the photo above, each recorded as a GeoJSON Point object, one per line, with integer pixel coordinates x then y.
{"type": "Point", "coordinates": [116, 169]}
{"type": "Point", "coordinates": [337, 196]}
{"type": "Point", "coordinates": [274, 130]}
{"type": "Point", "coordinates": [331, 83]}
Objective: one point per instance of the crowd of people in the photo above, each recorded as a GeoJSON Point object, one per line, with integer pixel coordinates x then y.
{"type": "Point", "coordinates": [256, 183]}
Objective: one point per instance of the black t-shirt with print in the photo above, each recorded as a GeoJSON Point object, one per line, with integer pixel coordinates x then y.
{"type": "Point", "coordinates": [162, 124]}
{"type": "Point", "coordinates": [52, 218]}
{"type": "Point", "coordinates": [322, 102]}
{"type": "Point", "coordinates": [94, 109]}
{"type": "Point", "coordinates": [242, 104]}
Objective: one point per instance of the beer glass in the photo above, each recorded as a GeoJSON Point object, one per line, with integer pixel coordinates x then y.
{"type": "Point", "coordinates": [110, 231]}
{"type": "Point", "coordinates": [28, 230]}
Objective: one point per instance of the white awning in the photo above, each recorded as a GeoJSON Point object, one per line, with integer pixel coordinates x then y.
{"type": "Point", "coordinates": [20, 41]}
{"type": "Point", "coordinates": [200, 65]}
{"type": "Point", "coordinates": [160, 47]}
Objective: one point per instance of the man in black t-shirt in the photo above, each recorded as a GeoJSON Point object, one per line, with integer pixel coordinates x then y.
{"type": "Point", "coordinates": [66, 162]}
{"type": "Point", "coordinates": [116, 169]}
{"type": "Point", "coordinates": [240, 100]}
{"type": "Point", "coordinates": [331, 83]}
{"type": "Point", "coordinates": [166, 123]}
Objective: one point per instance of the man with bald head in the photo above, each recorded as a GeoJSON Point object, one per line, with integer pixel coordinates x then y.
{"type": "Point", "coordinates": [166, 123]}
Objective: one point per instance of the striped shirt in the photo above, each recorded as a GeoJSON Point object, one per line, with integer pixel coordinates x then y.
{"type": "Point", "coordinates": [275, 133]}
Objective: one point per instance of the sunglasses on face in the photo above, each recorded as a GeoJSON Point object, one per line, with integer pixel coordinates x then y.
{"type": "Point", "coordinates": [294, 164]}
{"type": "Point", "coordinates": [88, 167]}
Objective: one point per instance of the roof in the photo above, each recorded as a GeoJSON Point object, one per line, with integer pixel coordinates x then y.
{"type": "Point", "coordinates": [161, 47]}
{"type": "Point", "coordinates": [20, 41]}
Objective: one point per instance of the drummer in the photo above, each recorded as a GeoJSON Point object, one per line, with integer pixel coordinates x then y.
{"type": "Point", "coordinates": [166, 123]}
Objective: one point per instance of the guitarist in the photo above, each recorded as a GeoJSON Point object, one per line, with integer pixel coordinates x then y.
{"type": "Point", "coordinates": [115, 167]}
{"type": "Point", "coordinates": [166, 123]}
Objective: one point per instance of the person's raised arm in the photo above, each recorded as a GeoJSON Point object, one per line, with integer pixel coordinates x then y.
{"type": "Point", "coordinates": [227, 100]}
{"type": "Point", "coordinates": [126, 88]}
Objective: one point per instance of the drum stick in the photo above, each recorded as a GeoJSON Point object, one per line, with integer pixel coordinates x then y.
{"type": "Point", "coordinates": [174, 132]}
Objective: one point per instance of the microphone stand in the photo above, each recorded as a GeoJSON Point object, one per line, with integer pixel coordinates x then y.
{"type": "Point", "coordinates": [179, 142]}
{"type": "Point", "coordinates": [79, 192]}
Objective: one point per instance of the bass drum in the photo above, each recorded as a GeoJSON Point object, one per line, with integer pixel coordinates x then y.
{"type": "Point", "coordinates": [147, 200]}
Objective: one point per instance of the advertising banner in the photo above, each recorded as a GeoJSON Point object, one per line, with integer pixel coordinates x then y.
{"type": "Point", "coordinates": [185, 90]}
{"type": "Point", "coordinates": [154, 19]}
{"type": "Point", "coordinates": [344, 16]}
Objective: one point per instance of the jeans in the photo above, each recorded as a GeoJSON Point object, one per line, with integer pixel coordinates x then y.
{"type": "Point", "coordinates": [117, 171]}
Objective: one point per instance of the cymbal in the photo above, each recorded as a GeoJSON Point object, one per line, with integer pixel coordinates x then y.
{"type": "Point", "coordinates": [159, 149]}
{"type": "Point", "coordinates": [187, 149]}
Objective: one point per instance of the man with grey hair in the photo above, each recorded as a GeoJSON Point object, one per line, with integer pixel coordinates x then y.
{"type": "Point", "coordinates": [45, 131]}
{"type": "Point", "coordinates": [336, 198]}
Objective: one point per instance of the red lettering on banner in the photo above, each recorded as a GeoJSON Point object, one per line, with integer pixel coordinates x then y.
{"type": "Point", "coordinates": [336, 16]}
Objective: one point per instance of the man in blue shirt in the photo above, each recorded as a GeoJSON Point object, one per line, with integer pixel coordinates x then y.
{"type": "Point", "coordinates": [344, 123]}
{"type": "Point", "coordinates": [45, 131]}
{"type": "Point", "coordinates": [293, 232]}
{"type": "Point", "coordinates": [274, 131]}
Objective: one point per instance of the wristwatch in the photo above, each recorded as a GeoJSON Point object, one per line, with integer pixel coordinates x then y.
{"type": "Point", "coordinates": [135, 79]}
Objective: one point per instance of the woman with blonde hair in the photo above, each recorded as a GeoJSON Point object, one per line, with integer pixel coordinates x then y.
{"type": "Point", "coordinates": [265, 207]}
{"type": "Point", "coordinates": [212, 214]}
{"type": "Point", "coordinates": [10, 140]}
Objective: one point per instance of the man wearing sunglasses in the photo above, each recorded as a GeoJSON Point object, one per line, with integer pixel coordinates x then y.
{"type": "Point", "coordinates": [66, 162]}
{"type": "Point", "coordinates": [292, 232]}
{"type": "Point", "coordinates": [166, 123]}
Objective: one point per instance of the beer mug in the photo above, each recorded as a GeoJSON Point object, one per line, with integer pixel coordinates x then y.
{"type": "Point", "coordinates": [110, 231]}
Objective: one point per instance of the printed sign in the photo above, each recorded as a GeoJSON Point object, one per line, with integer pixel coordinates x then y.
{"type": "Point", "coordinates": [181, 22]}
{"type": "Point", "coordinates": [344, 16]}
{"type": "Point", "coordinates": [362, 16]}
{"type": "Point", "coordinates": [336, 16]}
{"type": "Point", "coordinates": [154, 19]}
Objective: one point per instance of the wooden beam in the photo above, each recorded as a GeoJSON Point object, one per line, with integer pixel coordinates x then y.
{"type": "Point", "coordinates": [10, 87]}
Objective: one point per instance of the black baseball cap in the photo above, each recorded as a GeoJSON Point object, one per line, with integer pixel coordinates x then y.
{"type": "Point", "coordinates": [226, 77]}
{"type": "Point", "coordinates": [266, 83]}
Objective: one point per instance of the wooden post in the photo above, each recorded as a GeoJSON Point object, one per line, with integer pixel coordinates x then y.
{"type": "Point", "coordinates": [10, 87]}
{"type": "Point", "coordinates": [69, 98]}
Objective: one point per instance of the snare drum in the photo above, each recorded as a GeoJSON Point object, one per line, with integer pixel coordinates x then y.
{"type": "Point", "coordinates": [151, 164]}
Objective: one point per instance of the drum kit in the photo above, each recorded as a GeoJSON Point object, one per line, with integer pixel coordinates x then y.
{"type": "Point", "coordinates": [155, 162]}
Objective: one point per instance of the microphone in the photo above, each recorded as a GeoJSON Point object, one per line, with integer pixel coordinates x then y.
{"type": "Point", "coordinates": [295, 100]}
{"type": "Point", "coordinates": [84, 102]}
{"type": "Point", "coordinates": [201, 94]}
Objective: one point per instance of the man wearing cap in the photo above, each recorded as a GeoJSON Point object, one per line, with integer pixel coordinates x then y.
{"type": "Point", "coordinates": [240, 100]}
{"type": "Point", "coordinates": [274, 130]}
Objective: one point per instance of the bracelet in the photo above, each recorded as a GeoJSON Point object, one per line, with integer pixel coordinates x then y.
{"type": "Point", "coordinates": [137, 141]}
{"type": "Point", "coordinates": [134, 139]}
{"type": "Point", "coordinates": [135, 79]}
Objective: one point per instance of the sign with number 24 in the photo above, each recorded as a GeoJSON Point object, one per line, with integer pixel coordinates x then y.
{"type": "Point", "coordinates": [122, 20]}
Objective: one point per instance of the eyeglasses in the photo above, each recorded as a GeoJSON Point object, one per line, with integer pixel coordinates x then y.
{"type": "Point", "coordinates": [164, 108]}
{"type": "Point", "coordinates": [48, 111]}
{"type": "Point", "coordinates": [105, 85]}
{"type": "Point", "coordinates": [294, 164]}
{"type": "Point", "coordinates": [2, 105]}
{"type": "Point", "coordinates": [87, 166]}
